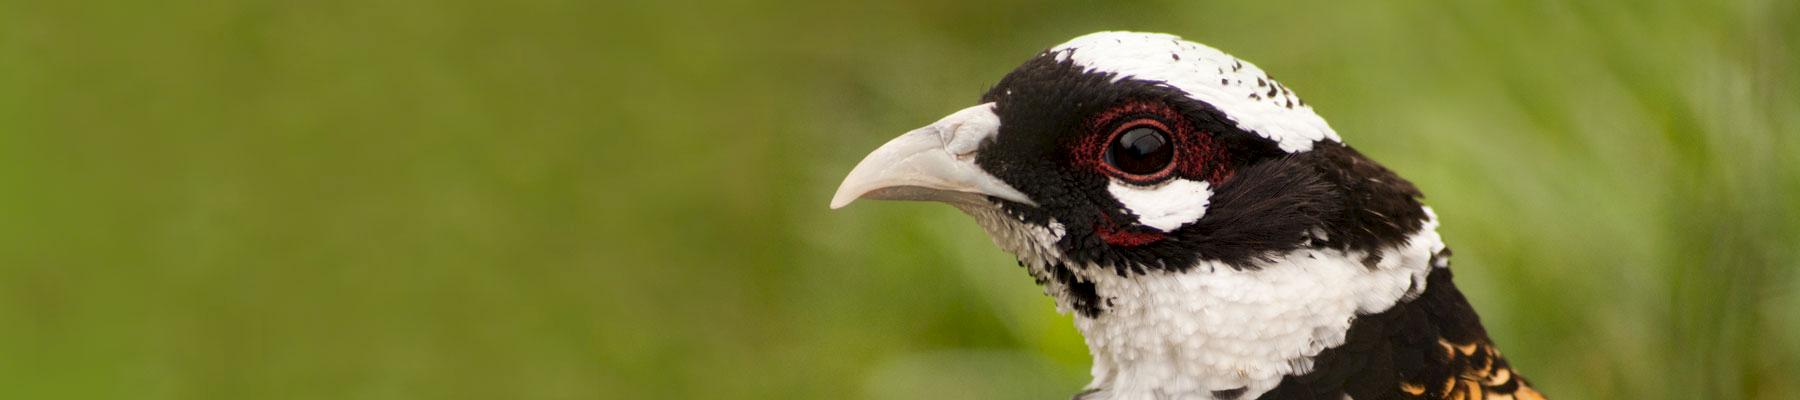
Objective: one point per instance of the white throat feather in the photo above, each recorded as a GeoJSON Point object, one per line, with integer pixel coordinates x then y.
{"type": "Point", "coordinates": [1168, 334]}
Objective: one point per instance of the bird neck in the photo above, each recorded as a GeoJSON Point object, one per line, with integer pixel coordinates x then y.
{"type": "Point", "coordinates": [1244, 346]}
{"type": "Point", "coordinates": [1218, 329]}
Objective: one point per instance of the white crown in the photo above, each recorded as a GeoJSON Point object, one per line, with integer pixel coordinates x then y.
{"type": "Point", "coordinates": [1239, 89]}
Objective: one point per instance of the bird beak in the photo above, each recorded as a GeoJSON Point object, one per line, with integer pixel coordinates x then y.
{"type": "Point", "coordinates": [934, 163]}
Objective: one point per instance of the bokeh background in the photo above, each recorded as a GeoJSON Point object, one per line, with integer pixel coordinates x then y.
{"type": "Point", "coordinates": [626, 200]}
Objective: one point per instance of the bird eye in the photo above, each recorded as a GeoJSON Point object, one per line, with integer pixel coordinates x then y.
{"type": "Point", "coordinates": [1140, 150]}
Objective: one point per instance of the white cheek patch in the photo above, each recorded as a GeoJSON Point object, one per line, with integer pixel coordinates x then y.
{"type": "Point", "coordinates": [1165, 206]}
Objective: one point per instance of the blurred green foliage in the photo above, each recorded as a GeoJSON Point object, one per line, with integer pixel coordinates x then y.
{"type": "Point", "coordinates": [563, 199]}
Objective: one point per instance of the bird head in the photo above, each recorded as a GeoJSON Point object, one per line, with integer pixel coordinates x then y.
{"type": "Point", "coordinates": [1121, 154]}
{"type": "Point", "coordinates": [1139, 152]}
{"type": "Point", "coordinates": [1213, 234]}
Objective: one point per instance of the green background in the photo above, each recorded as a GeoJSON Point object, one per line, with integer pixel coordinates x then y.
{"type": "Point", "coordinates": [605, 200]}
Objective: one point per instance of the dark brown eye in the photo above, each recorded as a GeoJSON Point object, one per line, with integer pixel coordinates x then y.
{"type": "Point", "coordinates": [1140, 150]}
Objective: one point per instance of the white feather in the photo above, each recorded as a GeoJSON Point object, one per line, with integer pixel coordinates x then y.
{"type": "Point", "coordinates": [1166, 206]}
{"type": "Point", "coordinates": [1185, 335]}
{"type": "Point", "coordinates": [1205, 74]}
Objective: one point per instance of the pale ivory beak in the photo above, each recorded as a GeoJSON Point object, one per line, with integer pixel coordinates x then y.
{"type": "Point", "coordinates": [935, 163]}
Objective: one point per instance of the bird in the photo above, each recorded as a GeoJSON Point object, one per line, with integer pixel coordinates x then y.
{"type": "Point", "coordinates": [1211, 235]}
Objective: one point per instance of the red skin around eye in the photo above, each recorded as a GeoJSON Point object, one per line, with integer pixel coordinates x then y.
{"type": "Point", "coordinates": [1202, 150]}
{"type": "Point", "coordinates": [1113, 235]}
{"type": "Point", "coordinates": [1109, 169]}
{"type": "Point", "coordinates": [1197, 154]}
